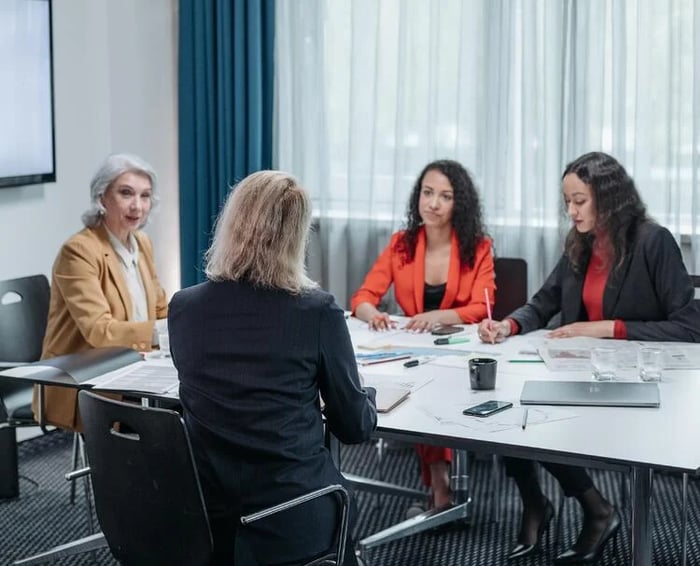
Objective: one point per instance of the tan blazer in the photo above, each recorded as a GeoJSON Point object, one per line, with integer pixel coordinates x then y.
{"type": "Point", "coordinates": [91, 308]}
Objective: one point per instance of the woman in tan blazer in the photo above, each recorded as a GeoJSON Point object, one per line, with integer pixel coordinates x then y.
{"type": "Point", "coordinates": [104, 287]}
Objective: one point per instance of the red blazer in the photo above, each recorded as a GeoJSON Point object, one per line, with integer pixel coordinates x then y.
{"type": "Point", "coordinates": [464, 291]}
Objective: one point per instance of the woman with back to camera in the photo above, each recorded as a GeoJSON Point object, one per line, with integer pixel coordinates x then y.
{"type": "Point", "coordinates": [440, 266]}
{"type": "Point", "coordinates": [254, 347]}
{"type": "Point", "coordinates": [621, 276]}
{"type": "Point", "coordinates": [104, 286]}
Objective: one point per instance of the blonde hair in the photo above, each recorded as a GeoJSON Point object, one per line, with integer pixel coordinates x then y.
{"type": "Point", "coordinates": [261, 234]}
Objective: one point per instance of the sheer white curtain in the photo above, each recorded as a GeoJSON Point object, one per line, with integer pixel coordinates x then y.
{"type": "Point", "coordinates": [370, 91]}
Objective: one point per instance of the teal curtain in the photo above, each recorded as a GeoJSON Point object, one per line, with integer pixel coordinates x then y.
{"type": "Point", "coordinates": [225, 111]}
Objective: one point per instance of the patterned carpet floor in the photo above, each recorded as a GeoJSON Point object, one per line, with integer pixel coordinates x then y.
{"type": "Point", "coordinates": [42, 516]}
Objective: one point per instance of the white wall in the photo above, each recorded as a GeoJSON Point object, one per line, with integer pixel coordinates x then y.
{"type": "Point", "coordinates": [115, 89]}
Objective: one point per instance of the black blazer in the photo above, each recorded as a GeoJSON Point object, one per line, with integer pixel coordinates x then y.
{"type": "Point", "coordinates": [251, 364]}
{"type": "Point", "coordinates": [651, 292]}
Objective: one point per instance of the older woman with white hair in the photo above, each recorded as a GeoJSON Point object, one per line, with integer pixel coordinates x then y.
{"type": "Point", "coordinates": [104, 287]}
{"type": "Point", "coordinates": [256, 348]}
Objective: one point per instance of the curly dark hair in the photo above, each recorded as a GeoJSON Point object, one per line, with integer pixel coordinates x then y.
{"type": "Point", "coordinates": [466, 214]}
{"type": "Point", "coordinates": [619, 208]}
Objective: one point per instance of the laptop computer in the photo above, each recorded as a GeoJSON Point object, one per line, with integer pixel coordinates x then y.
{"type": "Point", "coordinates": [590, 393]}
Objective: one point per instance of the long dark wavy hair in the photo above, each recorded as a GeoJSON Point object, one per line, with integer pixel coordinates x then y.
{"type": "Point", "coordinates": [619, 208]}
{"type": "Point", "coordinates": [466, 213]}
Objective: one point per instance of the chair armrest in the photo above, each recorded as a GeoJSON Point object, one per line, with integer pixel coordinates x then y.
{"type": "Point", "coordinates": [75, 474]}
{"type": "Point", "coordinates": [345, 511]}
{"type": "Point", "coordinates": [247, 519]}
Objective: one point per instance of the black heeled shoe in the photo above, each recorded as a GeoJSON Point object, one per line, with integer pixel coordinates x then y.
{"type": "Point", "coordinates": [592, 554]}
{"type": "Point", "coordinates": [520, 549]}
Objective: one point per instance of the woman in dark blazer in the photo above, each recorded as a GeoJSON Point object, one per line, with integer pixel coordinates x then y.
{"type": "Point", "coordinates": [257, 347]}
{"type": "Point", "coordinates": [621, 276]}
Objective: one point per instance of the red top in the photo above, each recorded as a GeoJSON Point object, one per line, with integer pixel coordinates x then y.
{"type": "Point", "coordinates": [592, 294]}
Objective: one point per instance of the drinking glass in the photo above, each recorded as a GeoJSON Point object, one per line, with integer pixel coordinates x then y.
{"type": "Point", "coordinates": [650, 363]}
{"type": "Point", "coordinates": [164, 344]}
{"type": "Point", "coordinates": [603, 363]}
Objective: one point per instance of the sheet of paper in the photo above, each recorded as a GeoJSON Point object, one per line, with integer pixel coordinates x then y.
{"type": "Point", "coordinates": [144, 377]}
{"type": "Point", "coordinates": [508, 419]}
{"type": "Point", "coordinates": [410, 381]}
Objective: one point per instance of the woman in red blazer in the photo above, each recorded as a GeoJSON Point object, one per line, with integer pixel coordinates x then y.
{"type": "Point", "coordinates": [440, 266]}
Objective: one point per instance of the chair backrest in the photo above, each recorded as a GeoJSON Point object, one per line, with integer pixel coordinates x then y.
{"type": "Point", "coordinates": [511, 285]}
{"type": "Point", "coordinates": [24, 308]}
{"type": "Point", "coordinates": [147, 494]}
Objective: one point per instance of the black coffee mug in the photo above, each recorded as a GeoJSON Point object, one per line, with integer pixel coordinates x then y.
{"type": "Point", "coordinates": [482, 373]}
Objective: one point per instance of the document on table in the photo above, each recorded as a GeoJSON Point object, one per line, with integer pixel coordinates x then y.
{"type": "Point", "coordinates": [505, 420]}
{"type": "Point", "coordinates": [416, 340]}
{"type": "Point", "coordinates": [677, 355]}
{"type": "Point", "coordinates": [574, 354]}
{"type": "Point", "coordinates": [142, 377]}
{"type": "Point", "coordinates": [409, 380]}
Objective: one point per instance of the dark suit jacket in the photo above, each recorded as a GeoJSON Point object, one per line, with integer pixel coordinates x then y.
{"type": "Point", "coordinates": [251, 364]}
{"type": "Point", "coordinates": [651, 292]}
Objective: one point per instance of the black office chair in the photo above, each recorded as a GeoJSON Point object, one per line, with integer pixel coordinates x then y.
{"type": "Point", "coordinates": [147, 494]}
{"type": "Point", "coordinates": [331, 559]}
{"type": "Point", "coordinates": [24, 308]}
{"type": "Point", "coordinates": [511, 285]}
{"type": "Point", "coordinates": [511, 293]}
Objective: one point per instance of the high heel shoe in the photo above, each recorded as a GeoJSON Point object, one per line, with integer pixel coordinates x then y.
{"type": "Point", "coordinates": [521, 549]}
{"type": "Point", "coordinates": [592, 553]}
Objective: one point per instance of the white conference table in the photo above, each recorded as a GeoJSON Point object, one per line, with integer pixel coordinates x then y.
{"type": "Point", "coordinates": [638, 439]}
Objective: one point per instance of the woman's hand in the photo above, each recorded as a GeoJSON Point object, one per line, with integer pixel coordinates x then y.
{"type": "Point", "coordinates": [381, 321]}
{"type": "Point", "coordinates": [425, 322]}
{"type": "Point", "coordinates": [494, 331]}
{"type": "Point", "coordinates": [596, 329]}
{"type": "Point", "coordinates": [376, 319]}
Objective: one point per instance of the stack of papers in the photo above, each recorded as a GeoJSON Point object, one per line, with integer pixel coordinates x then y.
{"type": "Point", "coordinates": [141, 377]}
{"type": "Point", "coordinates": [380, 357]}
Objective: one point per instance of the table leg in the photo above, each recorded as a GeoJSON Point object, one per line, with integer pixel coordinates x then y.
{"type": "Point", "coordinates": [684, 523]}
{"type": "Point", "coordinates": [641, 516]}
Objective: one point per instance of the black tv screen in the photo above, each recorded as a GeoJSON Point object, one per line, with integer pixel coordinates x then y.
{"type": "Point", "coordinates": [27, 153]}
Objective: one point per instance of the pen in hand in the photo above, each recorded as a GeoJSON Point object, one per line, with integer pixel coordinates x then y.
{"type": "Point", "coordinates": [488, 312]}
{"type": "Point", "coordinates": [525, 419]}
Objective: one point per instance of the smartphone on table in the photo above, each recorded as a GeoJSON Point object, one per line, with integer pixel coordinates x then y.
{"type": "Point", "coordinates": [446, 329]}
{"type": "Point", "coordinates": [487, 408]}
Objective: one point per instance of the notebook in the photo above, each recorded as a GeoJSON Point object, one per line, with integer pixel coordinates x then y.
{"type": "Point", "coordinates": [389, 397]}
{"type": "Point", "coordinates": [590, 393]}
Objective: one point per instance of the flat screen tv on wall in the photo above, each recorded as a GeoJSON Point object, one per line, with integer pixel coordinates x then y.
{"type": "Point", "coordinates": [27, 153]}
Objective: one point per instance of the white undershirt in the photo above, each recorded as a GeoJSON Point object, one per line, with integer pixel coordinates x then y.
{"type": "Point", "coordinates": [130, 265]}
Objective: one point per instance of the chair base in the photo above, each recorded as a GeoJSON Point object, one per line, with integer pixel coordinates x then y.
{"type": "Point", "coordinates": [420, 523]}
{"type": "Point", "coordinates": [86, 544]}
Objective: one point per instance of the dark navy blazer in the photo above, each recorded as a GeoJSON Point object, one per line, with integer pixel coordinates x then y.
{"type": "Point", "coordinates": [252, 363]}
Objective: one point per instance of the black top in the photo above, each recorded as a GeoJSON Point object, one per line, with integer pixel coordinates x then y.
{"type": "Point", "coordinates": [651, 292]}
{"type": "Point", "coordinates": [432, 296]}
{"type": "Point", "coordinates": [251, 364]}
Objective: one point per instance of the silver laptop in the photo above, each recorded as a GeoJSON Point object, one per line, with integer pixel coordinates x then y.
{"type": "Point", "coordinates": [590, 393]}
